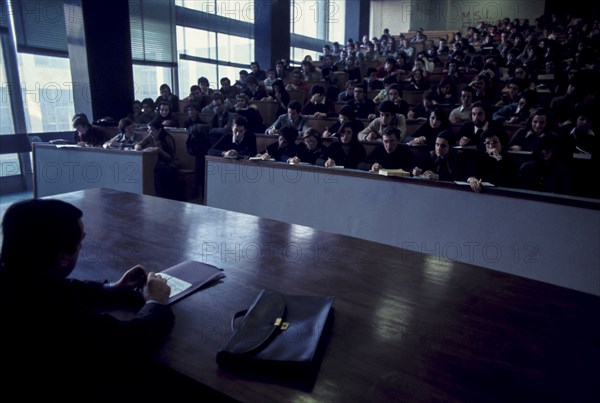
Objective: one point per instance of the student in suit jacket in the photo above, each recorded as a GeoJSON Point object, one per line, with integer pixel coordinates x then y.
{"type": "Point", "coordinates": [240, 142]}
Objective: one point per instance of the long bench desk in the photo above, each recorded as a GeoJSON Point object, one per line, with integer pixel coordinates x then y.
{"type": "Point", "coordinates": [62, 169]}
{"type": "Point", "coordinates": [407, 326]}
{"type": "Point", "coordinates": [548, 238]}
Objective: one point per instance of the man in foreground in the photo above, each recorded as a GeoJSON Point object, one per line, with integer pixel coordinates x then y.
{"type": "Point", "coordinates": [56, 342]}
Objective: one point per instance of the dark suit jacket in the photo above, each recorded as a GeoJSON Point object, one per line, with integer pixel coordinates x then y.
{"type": "Point", "coordinates": [60, 343]}
{"type": "Point", "coordinates": [336, 152]}
{"type": "Point", "coordinates": [247, 147]}
{"type": "Point", "coordinates": [402, 157]}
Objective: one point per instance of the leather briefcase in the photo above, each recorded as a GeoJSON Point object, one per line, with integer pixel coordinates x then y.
{"type": "Point", "coordinates": [278, 333]}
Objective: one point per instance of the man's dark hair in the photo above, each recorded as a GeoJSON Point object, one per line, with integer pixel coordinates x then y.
{"type": "Point", "coordinates": [240, 121]}
{"type": "Point", "coordinates": [36, 231]}
{"type": "Point", "coordinates": [469, 89]}
{"type": "Point", "coordinates": [156, 123]}
{"type": "Point", "coordinates": [392, 131]}
{"type": "Point", "coordinates": [194, 105]}
{"type": "Point", "coordinates": [80, 121]}
{"type": "Point", "coordinates": [388, 106]}
{"type": "Point", "coordinates": [495, 131]}
{"type": "Point", "coordinates": [482, 105]}
{"type": "Point", "coordinates": [149, 102]}
{"type": "Point", "coordinates": [123, 123]}
{"type": "Point", "coordinates": [446, 135]}
{"type": "Point", "coordinates": [295, 105]}
{"type": "Point", "coordinates": [317, 89]}
{"type": "Point", "coordinates": [396, 87]}
{"type": "Point", "coordinates": [289, 133]}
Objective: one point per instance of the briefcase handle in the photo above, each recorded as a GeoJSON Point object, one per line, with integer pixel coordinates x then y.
{"type": "Point", "coordinates": [236, 316]}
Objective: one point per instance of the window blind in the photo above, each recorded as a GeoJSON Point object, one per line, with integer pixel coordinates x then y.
{"type": "Point", "coordinates": [40, 27]}
{"type": "Point", "coordinates": [152, 24]}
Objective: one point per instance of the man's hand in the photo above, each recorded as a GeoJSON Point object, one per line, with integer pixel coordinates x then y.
{"type": "Point", "coordinates": [329, 163]}
{"type": "Point", "coordinates": [463, 141]}
{"type": "Point", "coordinates": [156, 289]}
{"type": "Point", "coordinates": [372, 136]}
{"type": "Point", "coordinates": [133, 278]}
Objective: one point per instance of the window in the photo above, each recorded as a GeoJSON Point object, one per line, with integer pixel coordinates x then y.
{"type": "Point", "coordinates": [335, 21]}
{"type": "Point", "coordinates": [152, 34]}
{"type": "Point", "coordinates": [47, 92]}
{"type": "Point", "coordinates": [313, 23]}
{"type": "Point", "coordinates": [298, 54]}
{"type": "Point", "coordinates": [6, 122]}
{"type": "Point", "coordinates": [190, 71]}
{"type": "Point", "coordinates": [235, 49]}
{"type": "Point", "coordinates": [212, 55]}
{"type": "Point", "coordinates": [9, 163]}
{"type": "Point", "coordinates": [306, 16]}
{"type": "Point", "coordinates": [236, 10]}
{"type": "Point", "coordinates": [148, 79]}
{"type": "Point", "coordinates": [197, 42]}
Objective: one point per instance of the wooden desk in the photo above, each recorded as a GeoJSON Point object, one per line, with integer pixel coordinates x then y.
{"type": "Point", "coordinates": [65, 169]}
{"type": "Point", "coordinates": [407, 327]}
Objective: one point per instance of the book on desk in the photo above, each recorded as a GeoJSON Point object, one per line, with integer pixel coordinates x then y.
{"type": "Point", "coordinates": [393, 172]}
{"type": "Point", "coordinates": [188, 277]}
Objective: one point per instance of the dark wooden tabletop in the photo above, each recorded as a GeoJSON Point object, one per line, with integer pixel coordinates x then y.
{"type": "Point", "coordinates": [407, 326]}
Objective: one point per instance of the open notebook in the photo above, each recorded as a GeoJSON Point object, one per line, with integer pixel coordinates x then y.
{"type": "Point", "coordinates": [188, 277]}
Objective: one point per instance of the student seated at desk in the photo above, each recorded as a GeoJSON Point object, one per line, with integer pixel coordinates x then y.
{"type": "Point", "coordinates": [494, 165]}
{"type": "Point", "coordinates": [165, 115]}
{"type": "Point", "coordinates": [60, 347]}
{"type": "Point", "coordinates": [310, 149]}
{"type": "Point", "coordinates": [388, 117]}
{"type": "Point", "coordinates": [537, 127]}
{"type": "Point", "coordinates": [518, 112]}
{"type": "Point", "coordinates": [192, 110]}
{"type": "Point", "coordinates": [346, 114]}
{"type": "Point", "coordinates": [167, 96]}
{"type": "Point", "coordinates": [292, 118]}
{"type": "Point", "coordinates": [243, 108]}
{"type": "Point", "coordinates": [127, 136]}
{"type": "Point", "coordinates": [318, 105]}
{"type": "Point", "coordinates": [167, 166]}
{"type": "Point", "coordinates": [87, 134]}
{"type": "Point", "coordinates": [470, 133]}
{"type": "Point", "coordinates": [444, 163]}
{"type": "Point", "coordinates": [425, 135]}
{"type": "Point", "coordinates": [390, 154]}
{"type": "Point", "coordinates": [548, 171]}
{"type": "Point", "coordinates": [239, 143]}
{"type": "Point", "coordinates": [285, 148]}
{"type": "Point", "coordinates": [348, 152]}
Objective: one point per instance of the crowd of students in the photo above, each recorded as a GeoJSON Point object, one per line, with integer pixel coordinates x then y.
{"type": "Point", "coordinates": [538, 80]}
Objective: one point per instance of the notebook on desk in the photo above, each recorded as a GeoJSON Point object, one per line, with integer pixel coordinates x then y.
{"type": "Point", "coordinates": [188, 277]}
